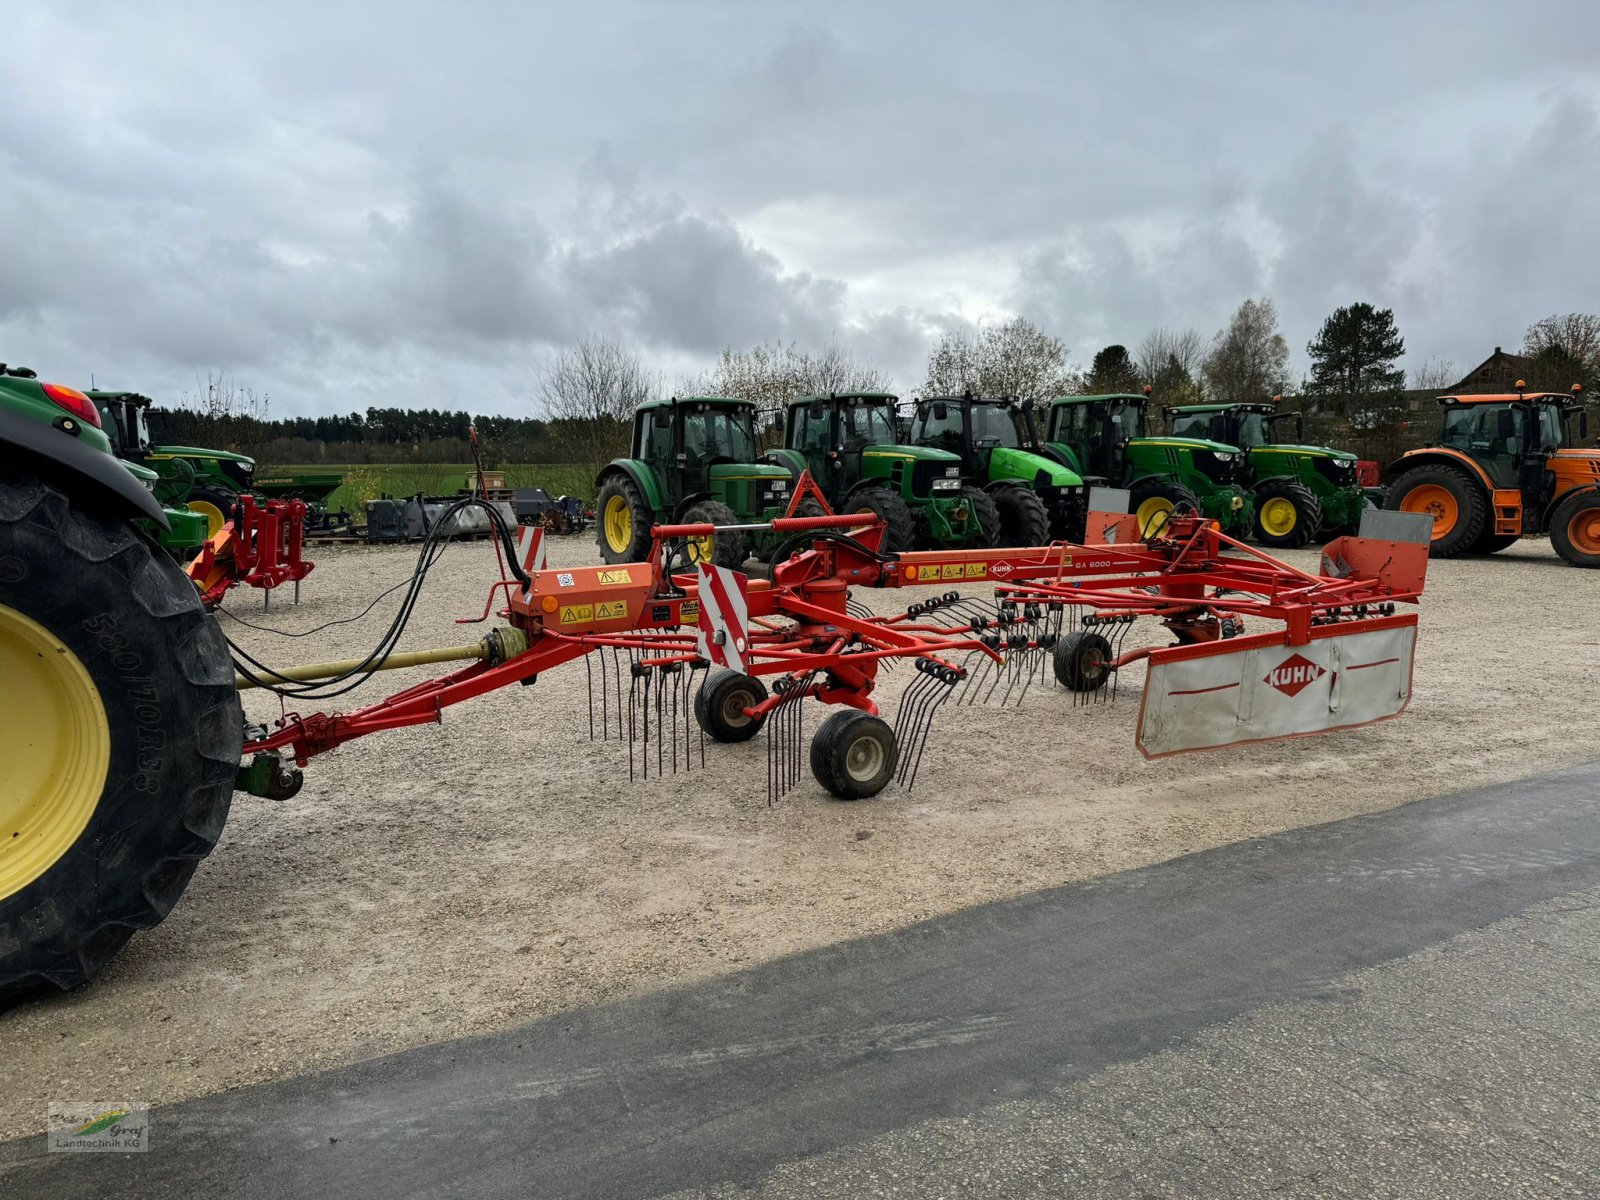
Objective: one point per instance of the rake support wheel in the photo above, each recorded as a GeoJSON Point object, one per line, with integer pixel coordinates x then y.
{"type": "Point", "coordinates": [720, 703]}
{"type": "Point", "coordinates": [854, 754]}
{"type": "Point", "coordinates": [1083, 661]}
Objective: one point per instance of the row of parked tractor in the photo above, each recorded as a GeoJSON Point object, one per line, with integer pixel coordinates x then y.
{"type": "Point", "coordinates": [972, 471]}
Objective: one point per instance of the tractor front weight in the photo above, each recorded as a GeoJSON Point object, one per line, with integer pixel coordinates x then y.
{"type": "Point", "coordinates": [660, 638]}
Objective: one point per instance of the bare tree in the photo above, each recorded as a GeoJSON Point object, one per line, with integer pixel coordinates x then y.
{"type": "Point", "coordinates": [1565, 350]}
{"type": "Point", "coordinates": [1169, 361]}
{"type": "Point", "coordinates": [588, 393]}
{"type": "Point", "coordinates": [1013, 359]}
{"type": "Point", "coordinates": [1435, 375]}
{"type": "Point", "coordinates": [768, 375]}
{"type": "Point", "coordinates": [1249, 360]}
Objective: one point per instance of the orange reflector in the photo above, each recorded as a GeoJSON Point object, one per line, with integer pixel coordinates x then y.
{"type": "Point", "coordinates": [549, 604]}
{"type": "Point", "coordinates": [911, 573]}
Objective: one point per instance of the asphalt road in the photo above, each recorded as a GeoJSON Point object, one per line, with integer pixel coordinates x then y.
{"type": "Point", "coordinates": [1400, 1004]}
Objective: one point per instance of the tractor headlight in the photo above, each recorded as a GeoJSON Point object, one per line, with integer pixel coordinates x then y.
{"type": "Point", "coordinates": [947, 485]}
{"type": "Point", "coordinates": [1222, 456]}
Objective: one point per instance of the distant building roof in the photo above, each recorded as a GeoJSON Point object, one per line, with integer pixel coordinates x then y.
{"type": "Point", "coordinates": [1497, 373]}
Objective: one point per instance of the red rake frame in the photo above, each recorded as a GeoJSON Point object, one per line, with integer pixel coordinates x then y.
{"type": "Point", "coordinates": [802, 625]}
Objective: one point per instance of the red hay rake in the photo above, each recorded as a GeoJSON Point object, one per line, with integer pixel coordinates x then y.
{"type": "Point", "coordinates": [668, 636]}
{"type": "Point", "coordinates": [262, 545]}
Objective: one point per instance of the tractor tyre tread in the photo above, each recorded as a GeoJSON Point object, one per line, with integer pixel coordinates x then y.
{"type": "Point", "coordinates": [1560, 522]}
{"type": "Point", "coordinates": [727, 549]}
{"type": "Point", "coordinates": [902, 526]}
{"type": "Point", "coordinates": [1024, 519]}
{"type": "Point", "coordinates": [985, 515]}
{"type": "Point", "coordinates": [1471, 503]}
{"type": "Point", "coordinates": [1308, 514]}
{"type": "Point", "coordinates": [165, 677]}
{"type": "Point", "coordinates": [643, 516]}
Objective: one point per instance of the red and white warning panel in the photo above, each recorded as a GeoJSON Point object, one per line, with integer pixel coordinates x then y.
{"type": "Point", "coordinates": [723, 634]}
{"type": "Point", "coordinates": [1255, 689]}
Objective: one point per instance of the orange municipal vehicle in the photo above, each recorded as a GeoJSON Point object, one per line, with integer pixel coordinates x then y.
{"type": "Point", "coordinates": [1503, 468]}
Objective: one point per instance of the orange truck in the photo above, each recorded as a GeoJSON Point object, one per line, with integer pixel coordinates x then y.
{"type": "Point", "coordinates": [1503, 468]}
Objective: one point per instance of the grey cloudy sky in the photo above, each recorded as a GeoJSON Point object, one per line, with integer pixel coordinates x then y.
{"type": "Point", "coordinates": [345, 205]}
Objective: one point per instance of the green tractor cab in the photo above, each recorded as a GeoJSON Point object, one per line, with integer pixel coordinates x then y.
{"type": "Point", "coordinates": [850, 442]}
{"type": "Point", "coordinates": [206, 482]}
{"type": "Point", "coordinates": [1103, 439]}
{"type": "Point", "coordinates": [1301, 492]}
{"type": "Point", "coordinates": [1038, 498]}
{"type": "Point", "coordinates": [694, 460]}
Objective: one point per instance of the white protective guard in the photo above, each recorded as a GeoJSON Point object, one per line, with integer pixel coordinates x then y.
{"type": "Point", "coordinates": [1204, 698]}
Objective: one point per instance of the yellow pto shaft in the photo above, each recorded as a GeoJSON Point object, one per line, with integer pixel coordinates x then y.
{"type": "Point", "coordinates": [502, 643]}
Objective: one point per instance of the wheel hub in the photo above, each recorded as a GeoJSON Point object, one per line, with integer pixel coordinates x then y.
{"type": "Point", "coordinates": [619, 524]}
{"type": "Point", "coordinates": [1278, 516]}
{"type": "Point", "coordinates": [58, 750]}
{"type": "Point", "coordinates": [864, 759]}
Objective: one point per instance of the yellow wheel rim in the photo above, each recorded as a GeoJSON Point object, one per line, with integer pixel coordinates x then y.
{"type": "Point", "coordinates": [1152, 512]}
{"type": "Point", "coordinates": [619, 524]}
{"type": "Point", "coordinates": [58, 749]}
{"type": "Point", "coordinates": [213, 515]}
{"type": "Point", "coordinates": [702, 549]}
{"type": "Point", "coordinates": [1279, 516]}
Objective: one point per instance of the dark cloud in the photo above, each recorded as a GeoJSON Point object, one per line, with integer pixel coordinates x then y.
{"type": "Point", "coordinates": [343, 210]}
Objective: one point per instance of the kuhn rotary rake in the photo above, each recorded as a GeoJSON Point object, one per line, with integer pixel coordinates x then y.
{"type": "Point", "coordinates": [662, 637]}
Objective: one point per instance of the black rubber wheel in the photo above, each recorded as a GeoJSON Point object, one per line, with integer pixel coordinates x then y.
{"type": "Point", "coordinates": [1287, 514]}
{"type": "Point", "coordinates": [1495, 542]}
{"type": "Point", "coordinates": [985, 517]}
{"type": "Point", "coordinates": [1156, 501]}
{"type": "Point", "coordinates": [622, 520]}
{"type": "Point", "coordinates": [1412, 492]}
{"type": "Point", "coordinates": [720, 703]}
{"type": "Point", "coordinates": [1575, 529]}
{"type": "Point", "coordinates": [902, 533]}
{"type": "Point", "coordinates": [727, 547]}
{"type": "Point", "coordinates": [1082, 661]}
{"type": "Point", "coordinates": [1024, 519]}
{"type": "Point", "coordinates": [854, 754]}
{"type": "Point", "coordinates": [121, 745]}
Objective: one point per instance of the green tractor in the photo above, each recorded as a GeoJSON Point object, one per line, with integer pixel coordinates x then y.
{"type": "Point", "coordinates": [694, 461]}
{"type": "Point", "coordinates": [1038, 498]}
{"type": "Point", "coordinates": [1103, 439]}
{"type": "Point", "coordinates": [207, 482]}
{"type": "Point", "coordinates": [123, 728]}
{"type": "Point", "coordinates": [1301, 492]}
{"type": "Point", "coordinates": [851, 445]}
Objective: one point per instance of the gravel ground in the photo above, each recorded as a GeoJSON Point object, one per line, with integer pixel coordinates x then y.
{"type": "Point", "coordinates": [444, 880]}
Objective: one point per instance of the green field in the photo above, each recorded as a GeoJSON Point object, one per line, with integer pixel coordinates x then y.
{"type": "Point", "coordinates": [369, 481]}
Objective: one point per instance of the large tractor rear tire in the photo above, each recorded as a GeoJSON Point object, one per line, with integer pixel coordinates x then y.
{"type": "Point", "coordinates": [1155, 500]}
{"type": "Point", "coordinates": [985, 516]}
{"type": "Point", "coordinates": [725, 549]}
{"type": "Point", "coordinates": [1456, 502]}
{"type": "Point", "coordinates": [902, 532]}
{"type": "Point", "coordinates": [1024, 519]}
{"type": "Point", "coordinates": [1288, 514]}
{"type": "Point", "coordinates": [123, 735]}
{"type": "Point", "coordinates": [622, 521]}
{"type": "Point", "coordinates": [1575, 529]}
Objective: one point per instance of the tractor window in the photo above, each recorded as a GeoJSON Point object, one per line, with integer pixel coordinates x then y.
{"type": "Point", "coordinates": [1551, 432]}
{"type": "Point", "coordinates": [942, 433]}
{"type": "Point", "coordinates": [1488, 429]}
{"type": "Point", "coordinates": [1193, 425]}
{"type": "Point", "coordinates": [1069, 422]}
{"type": "Point", "coordinates": [1252, 431]}
{"type": "Point", "coordinates": [863, 425]}
{"type": "Point", "coordinates": [1127, 421]}
{"type": "Point", "coordinates": [997, 423]}
{"type": "Point", "coordinates": [718, 434]}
